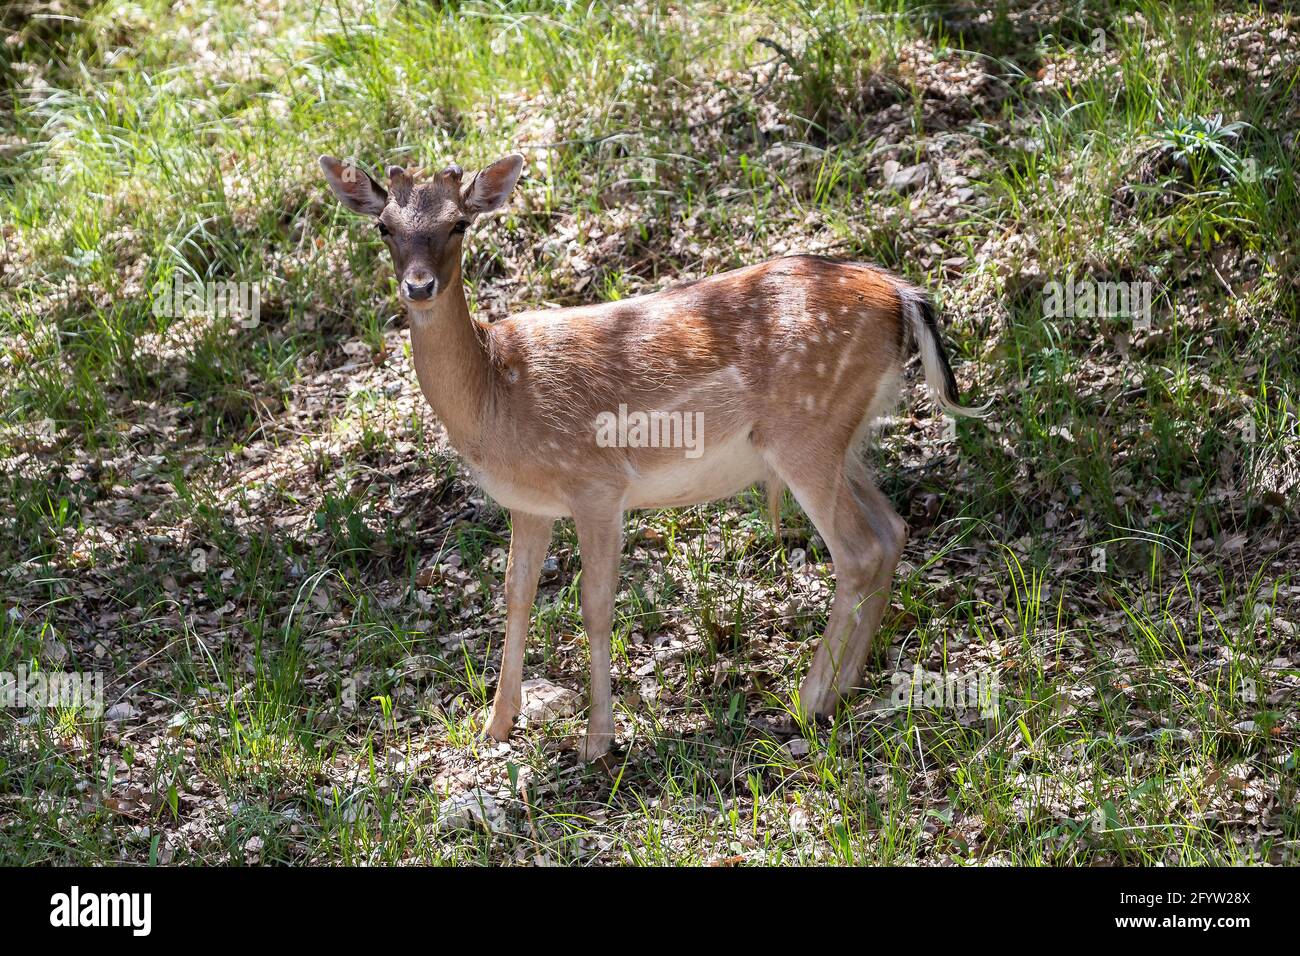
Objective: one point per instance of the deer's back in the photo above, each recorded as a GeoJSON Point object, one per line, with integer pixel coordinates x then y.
{"type": "Point", "coordinates": [768, 326]}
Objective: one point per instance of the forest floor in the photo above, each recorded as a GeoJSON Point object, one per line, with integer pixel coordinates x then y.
{"type": "Point", "coordinates": [256, 536]}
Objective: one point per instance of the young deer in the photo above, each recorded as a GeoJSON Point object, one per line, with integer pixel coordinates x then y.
{"type": "Point", "coordinates": [784, 364]}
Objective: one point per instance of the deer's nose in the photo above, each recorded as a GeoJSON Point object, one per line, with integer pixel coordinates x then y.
{"type": "Point", "coordinates": [419, 291]}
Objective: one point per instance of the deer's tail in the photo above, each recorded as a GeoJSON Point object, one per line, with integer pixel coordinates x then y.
{"type": "Point", "coordinates": [923, 328]}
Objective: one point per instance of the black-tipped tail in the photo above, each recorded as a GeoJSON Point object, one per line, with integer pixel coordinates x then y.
{"type": "Point", "coordinates": [919, 314]}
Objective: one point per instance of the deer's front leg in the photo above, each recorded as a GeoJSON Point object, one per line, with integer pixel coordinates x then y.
{"type": "Point", "coordinates": [529, 537]}
{"type": "Point", "coordinates": [600, 538]}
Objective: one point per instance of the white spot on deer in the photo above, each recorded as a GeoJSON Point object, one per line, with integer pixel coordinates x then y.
{"type": "Point", "coordinates": [840, 366]}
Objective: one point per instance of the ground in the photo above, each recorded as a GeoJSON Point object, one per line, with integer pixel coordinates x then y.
{"type": "Point", "coordinates": [255, 533]}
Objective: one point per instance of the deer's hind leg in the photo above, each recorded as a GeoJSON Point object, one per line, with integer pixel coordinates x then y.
{"type": "Point", "coordinates": [891, 531]}
{"type": "Point", "coordinates": [865, 537]}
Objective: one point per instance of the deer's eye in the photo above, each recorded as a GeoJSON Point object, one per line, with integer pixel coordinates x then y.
{"type": "Point", "coordinates": [460, 227]}
{"type": "Point", "coordinates": [383, 230]}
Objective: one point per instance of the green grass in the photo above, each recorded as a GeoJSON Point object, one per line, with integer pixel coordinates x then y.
{"type": "Point", "coordinates": [259, 536]}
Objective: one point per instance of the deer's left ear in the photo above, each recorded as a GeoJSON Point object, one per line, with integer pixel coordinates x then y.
{"type": "Point", "coordinates": [489, 190]}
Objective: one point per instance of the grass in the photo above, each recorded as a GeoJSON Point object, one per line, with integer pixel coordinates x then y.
{"type": "Point", "coordinates": [260, 538]}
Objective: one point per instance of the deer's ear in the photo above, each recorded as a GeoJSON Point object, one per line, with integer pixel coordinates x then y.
{"type": "Point", "coordinates": [354, 187]}
{"type": "Point", "coordinates": [489, 190]}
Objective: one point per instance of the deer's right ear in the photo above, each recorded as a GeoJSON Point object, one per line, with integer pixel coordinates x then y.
{"type": "Point", "coordinates": [354, 187]}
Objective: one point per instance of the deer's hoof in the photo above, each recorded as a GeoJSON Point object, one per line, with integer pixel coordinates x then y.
{"type": "Point", "coordinates": [499, 725]}
{"type": "Point", "coordinates": [594, 746]}
{"type": "Point", "coordinates": [818, 700]}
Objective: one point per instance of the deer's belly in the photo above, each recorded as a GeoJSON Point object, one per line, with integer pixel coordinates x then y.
{"type": "Point", "coordinates": [664, 479]}
{"type": "Point", "coordinates": [521, 497]}
{"type": "Point", "coordinates": [724, 469]}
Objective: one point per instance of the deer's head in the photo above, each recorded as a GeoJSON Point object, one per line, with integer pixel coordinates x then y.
{"type": "Point", "coordinates": [423, 221]}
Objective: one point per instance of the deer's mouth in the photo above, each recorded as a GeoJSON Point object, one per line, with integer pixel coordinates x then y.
{"type": "Point", "coordinates": [417, 303]}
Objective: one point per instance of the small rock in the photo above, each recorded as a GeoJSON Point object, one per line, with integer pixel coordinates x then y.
{"type": "Point", "coordinates": [54, 651]}
{"type": "Point", "coordinates": [905, 179]}
{"type": "Point", "coordinates": [122, 711]}
{"type": "Point", "coordinates": [471, 810]}
{"type": "Point", "coordinates": [798, 747]}
{"type": "Point", "coordinates": [799, 820]}
{"type": "Point", "coordinates": [546, 701]}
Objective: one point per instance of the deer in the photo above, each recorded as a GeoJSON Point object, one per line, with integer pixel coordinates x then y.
{"type": "Point", "coordinates": [785, 365]}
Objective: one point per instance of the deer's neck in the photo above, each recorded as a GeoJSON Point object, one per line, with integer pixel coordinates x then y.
{"type": "Point", "coordinates": [451, 362]}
